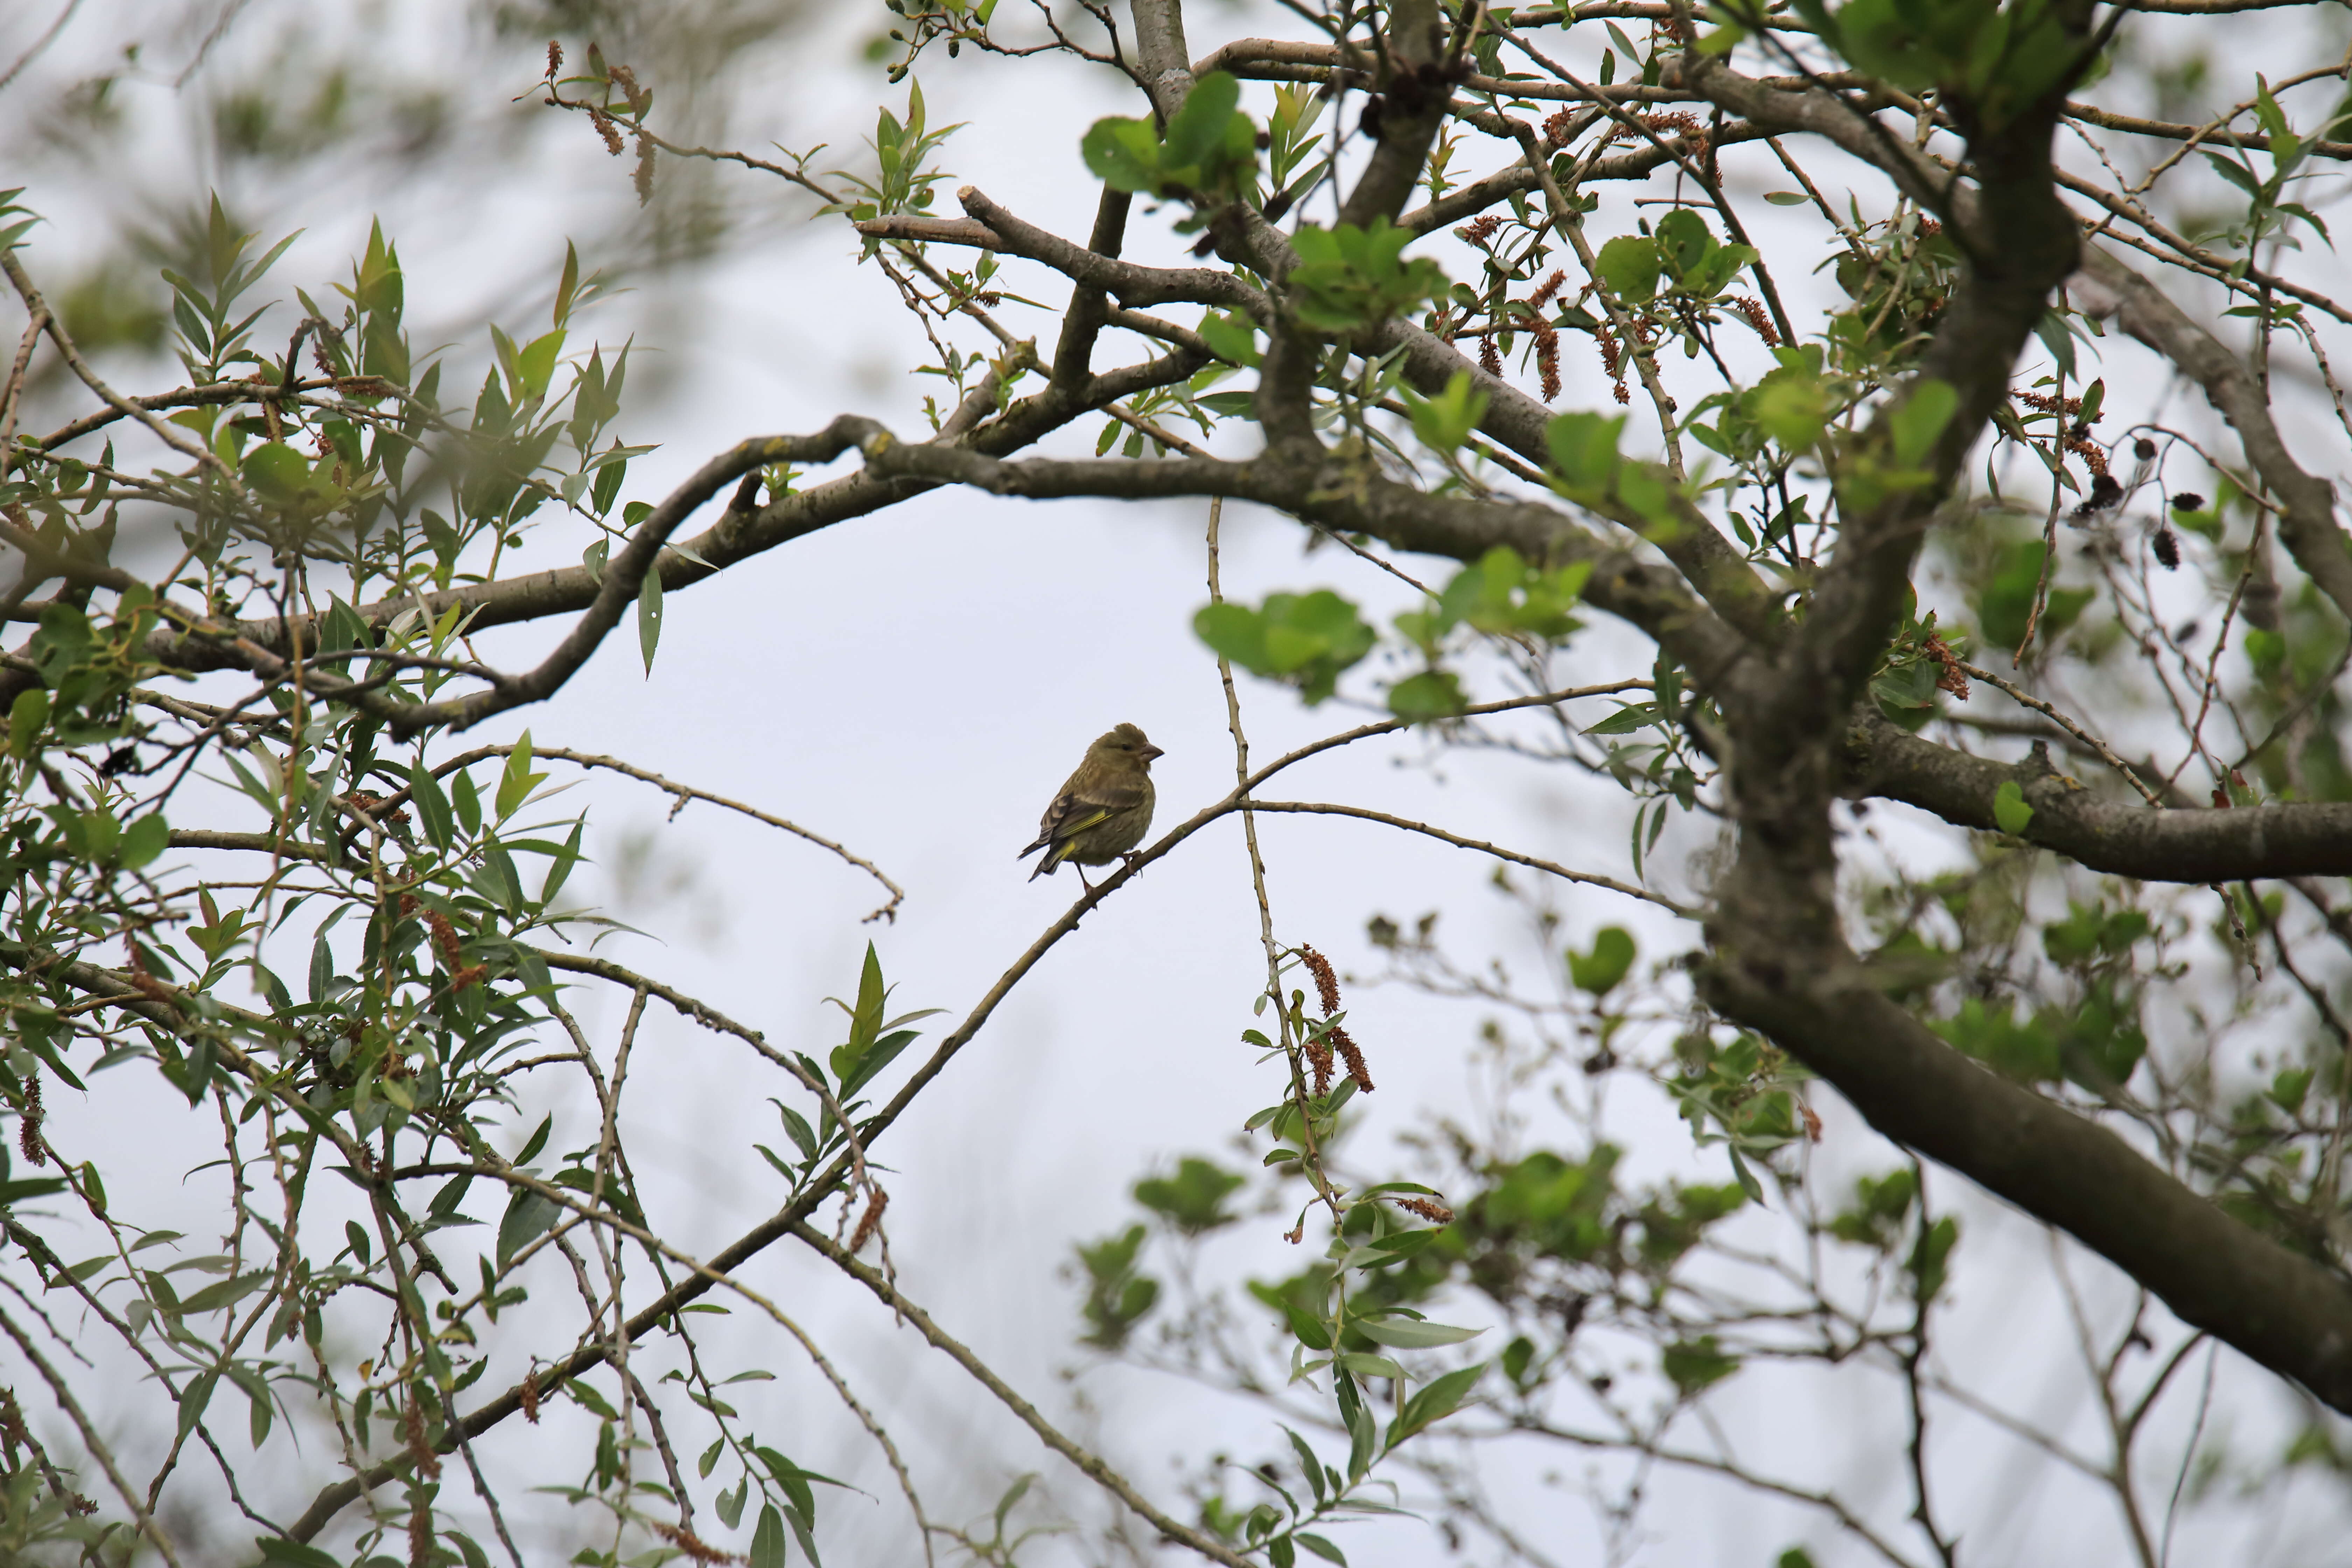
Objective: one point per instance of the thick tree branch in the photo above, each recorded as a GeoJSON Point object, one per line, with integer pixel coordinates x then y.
{"type": "Point", "coordinates": [735, 536]}
{"type": "Point", "coordinates": [2194, 845]}
{"type": "Point", "coordinates": [1353, 497]}
{"type": "Point", "coordinates": [1780, 963]}
{"type": "Point", "coordinates": [2276, 1307]}
{"type": "Point", "coordinates": [1160, 53]}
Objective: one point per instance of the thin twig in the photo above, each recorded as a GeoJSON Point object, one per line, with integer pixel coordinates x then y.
{"type": "Point", "coordinates": [1091, 1464]}
{"type": "Point", "coordinates": [91, 1439]}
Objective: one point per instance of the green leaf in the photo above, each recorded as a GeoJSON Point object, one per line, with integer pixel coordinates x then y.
{"type": "Point", "coordinates": [1308, 639]}
{"type": "Point", "coordinates": [1199, 128]}
{"type": "Point", "coordinates": [1629, 265]}
{"type": "Point", "coordinates": [649, 614]}
{"type": "Point", "coordinates": [1787, 198]}
{"type": "Point", "coordinates": [27, 719]}
{"type": "Point", "coordinates": [528, 1216]}
{"type": "Point", "coordinates": [1930, 1260]}
{"type": "Point", "coordinates": [2009, 808]}
{"type": "Point", "coordinates": [517, 781]}
{"type": "Point", "coordinates": [224, 1292]}
{"type": "Point", "coordinates": [432, 806]}
{"type": "Point", "coordinates": [537, 1140]}
{"type": "Point", "coordinates": [276, 471]}
{"type": "Point", "coordinates": [1694, 1365]}
{"type": "Point", "coordinates": [1349, 277]}
{"type": "Point", "coordinates": [1600, 971]}
{"type": "Point", "coordinates": [877, 1056]}
{"type": "Point", "coordinates": [1792, 409]}
{"type": "Point", "coordinates": [1123, 154]}
{"type": "Point", "coordinates": [1682, 244]}
{"type": "Point", "coordinates": [768, 1539]}
{"type": "Point", "coordinates": [535, 365]}
{"type": "Point", "coordinates": [1445, 422]}
{"type": "Point", "coordinates": [1192, 1200]}
{"type": "Point", "coordinates": [1410, 1333]}
{"type": "Point", "coordinates": [1583, 449]}
{"type": "Point", "coordinates": [1436, 1400]}
{"type": "Point", "coordinates": [36, 1187]}
{"type": "Point", "coordinates": [1431, 695]}
{"type": "Point", "coordinates": [1921, 419]}
{"type": "Point", "coordinates": [142, 841]}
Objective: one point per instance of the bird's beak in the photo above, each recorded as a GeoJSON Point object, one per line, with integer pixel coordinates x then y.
{"type": "Point", "coordinates": [1151, 751]}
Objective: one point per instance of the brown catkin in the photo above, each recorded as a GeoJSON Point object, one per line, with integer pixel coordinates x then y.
{"type": "Point", "coordinates": [1612, 360]}
{"type": "Point", "coordinates": [2049, 404]}
{"type": "Point", "coordinates": [1558, 129]}
{"type": "Point", "coordinates": [609, 130]}
{"type": "Point", "coordinates": [445, 937]}
{"type": "Point", "coordinates": [626, 80]}
{"type": "Point", "coordinates": [641, 177]}
{"type": "Point", "coordinates": [554, 56]}
{"type": "Point", "coordinates": [1327, 981]}
{"type": "Point", "coordinates": [1427, 1208]}
{"type": "Point", "coordinates": [428, 1463]}
{"type": "Point", "coordinates": [1543, 296]}
{"type": "Point", "coordinates": [1318, 1057]}
{"type": "Point", "coordinates": [869, 1222]}
{"type": "Point", "coordinates": [28, 1127]}
{"type": "Point", "coordinates": [1547, 357]}
{"type": "Point", "coordinates": [1953, 679]}
{"type": "Point", "coordinates": [531, 1395]}
{"type": "Point", "coordinates": [693, 1545]}
{"type": "Point", "coordinates": [1353, 1054]}
{"type": "Point", "coordinates": [1753, 311]}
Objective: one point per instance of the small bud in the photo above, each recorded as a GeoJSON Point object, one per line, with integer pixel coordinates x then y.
{"type": "Point", "coordinates": [2144, 450]}
{"type": "Point", "coordinates": [2168, 548]}
{"type": "Point", "coordinates": [2188, 501]}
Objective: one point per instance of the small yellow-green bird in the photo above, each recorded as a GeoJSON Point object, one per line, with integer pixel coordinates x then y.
{"type": "Point", "coordinates": [1103, 810]}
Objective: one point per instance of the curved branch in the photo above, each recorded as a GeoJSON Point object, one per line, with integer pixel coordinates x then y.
{"type": "Point", "coordinates": [626, 573]}
{"type": "Point", "coordinates": [1323, 808]}
{"type": "Point", "coordinates": [1351, 497]}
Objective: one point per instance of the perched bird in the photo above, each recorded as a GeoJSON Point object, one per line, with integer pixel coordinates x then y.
{"type": "Point", "coordinates": [1103, 810]}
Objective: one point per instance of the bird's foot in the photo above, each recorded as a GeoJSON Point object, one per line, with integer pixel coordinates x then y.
{"type": "Point", "coordinates": [1134, 862]}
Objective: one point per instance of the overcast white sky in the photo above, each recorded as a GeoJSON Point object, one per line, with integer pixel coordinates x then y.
{"type": "Point", "coordinates": [915, 684]}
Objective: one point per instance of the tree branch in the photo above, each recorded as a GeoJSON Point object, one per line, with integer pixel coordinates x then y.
{"type": "Point", "coordinates": [2293, 838]}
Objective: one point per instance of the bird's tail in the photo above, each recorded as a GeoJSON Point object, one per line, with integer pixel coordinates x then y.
{"type": "Point", "coordinates": [1046, 862]}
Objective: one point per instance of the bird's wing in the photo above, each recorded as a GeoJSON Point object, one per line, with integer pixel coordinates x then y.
{"type": "Point", "coordinates": [1079, 807]}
